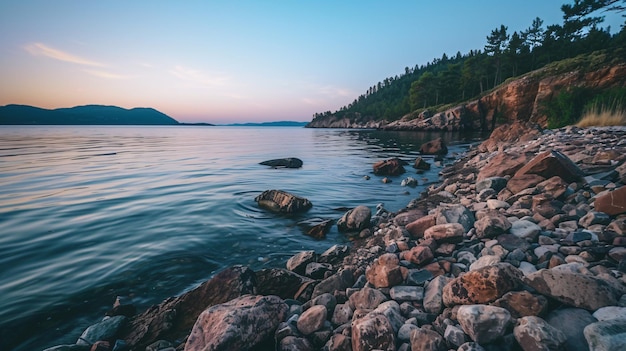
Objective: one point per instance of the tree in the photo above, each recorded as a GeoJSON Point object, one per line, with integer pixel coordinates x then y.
{"type": "Point", "coordinates": [497, 41]}
{"type": "Point", "coordinates": [422, 91]}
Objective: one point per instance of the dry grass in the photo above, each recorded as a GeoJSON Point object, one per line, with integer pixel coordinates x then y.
{"type": "Point", "coordinates": [603, 116]}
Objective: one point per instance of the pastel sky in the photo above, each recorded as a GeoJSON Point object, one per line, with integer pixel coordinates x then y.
{"type": "Point", "coordinates": [235, 61]}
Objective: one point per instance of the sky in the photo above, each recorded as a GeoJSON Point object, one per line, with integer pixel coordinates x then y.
{"type": "Point", "coordinates": [236, 61]}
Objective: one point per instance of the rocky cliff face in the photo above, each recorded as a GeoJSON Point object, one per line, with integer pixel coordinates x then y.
{"type": "Point", "coordinates": [518, 100]}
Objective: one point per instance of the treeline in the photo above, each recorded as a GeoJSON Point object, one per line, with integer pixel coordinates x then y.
{"type": "Point", "coordinates": [455, 79]}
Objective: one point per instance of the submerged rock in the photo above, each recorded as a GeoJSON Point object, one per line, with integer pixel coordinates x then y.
{"type": "Point", "coordinates": [434, 147]}
{"type": "Point", "coordinates": [390, 167]}
{"type": "Point", "coordinates": [289, 162]}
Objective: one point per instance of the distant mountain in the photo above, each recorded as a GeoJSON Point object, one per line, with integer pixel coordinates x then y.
{"type": "Point", "coordinates": [83, 115]}
{"type": "Point", "coordinates": [269, 124]}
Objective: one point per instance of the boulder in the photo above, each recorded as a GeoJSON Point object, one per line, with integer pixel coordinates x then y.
{"type": "Point", "coordinates": [366, 299]}
{"type": "Point", "coordinates": [606, 335]}
{"type": "Point", "coordinates": [390, 167]}
{"type": "Point", "coordinates": [502, 164]}
{"type": "Point", "coordinates": [298, 262]}
{"type": "Point", "coordinates": [373, 332]}
{"type": "Point", "coordinates": [552, 163]}
{"type": "Point", "coordinates": [523, 181]}
{"type": "Point", "coordinates": [577, 319]}
{"type": "Point", "coordinates": [316, 228]}
{"type": "Point", "coordinates": [342, 314]}
{"type": "Point", "coordinates": [108, 329]}
{"type": "Point", "coordinates": [612, 203]}
{"type": "Point", "coordinates": [491, 226]}
{"type": "Point", "coordinates": [507, 134]}
{"type": "Point", "coordinates": [574, 289]}
{"type": "Point", "coordinates": [173, 318]}
{"type": "Point", "coordinates": [433, 294]}
{"type": "Point", "coordinates": [280, 201]}
{"type": "Point", "coordinates": [239, 324]}
{"type": "Point", "coordinates": [525, 229]}
{"type": "Point", "coordinates": [483, 323]}
{"type": "Point", "coordinates": [554, 186]}
{"type": "Point", "coordinates": [434, 147]}
{"type": "Point", "coordinates": [483, 285]}
{"type": "Point", "coordinates": [495, 183]}
{"type": "Point", "coordinates": [280, 282]}
{"type": "Point", "coordinates": [355, 219]}
{"type": "Point", "coordinates": [454, 213]}
{"type": "Point", "coordinates": [535, 334]}
{"type": "Point", "coordinates": [312, 319]}
{"type": "Point", "coordinates": [420, 164]}
{"type": "Point", "coordinates": [289, 162]}
{"type": "Point", "coordinates": [418, 255]}
{"type": "Point", "coordinates": [417, 228]}
{"type": "Point", "coordinates": [335, 254]}
{"type": "Point", "coordinates": [523, 303]}
{"type": "Point", "coordinates": [441, 233]}
{"type": "Point", "coordinates": [385, 271]}
{"type": "Point", "coordinates": [336, 282]}
{"type": "Point", "coordinates": [427, 340]}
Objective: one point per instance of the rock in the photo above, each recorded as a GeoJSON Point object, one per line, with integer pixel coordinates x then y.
{"type": "Point", "coordinates": [522, 182]}
{"type": "Point", "coordinates": [336, 282]}
{"type": "Point", "coordinates": [535, 334]}
{"type": "Point", "coordinates": [384, 272]}
{"type": "Point", "coordinates": [454, 213]}
{"type": "Point", "coordinates": [366, 299]}
{"type": "Point", "coordinates": [502, 164]}
{"type": "Point", "coordinates": [293, 343]}
{"type": "Point", "coordinates": [573, 289]}
{"type": "Point", "coordinates": [418, 255]}
{"type": "Point", "coordinates": [317, 270]}
{"type": "Point", "coordinates": [419, 226]}
{"type": "Point", "coordinates": [312, 319]}
{"type": "Point", "coordinates": [434, 147]}
{"type": "Point", "coordinates": [426, 340]}
{"type": "Point", "coordinates": [577, 319]}
{"type": "Point", "coordinates": [407, 293]}
{"type": "Point", "coordinates": [454, 336]}
{"type": "Point", "coordinates": [606, 335]}
{"type": "Point", "coordinates": [484, 285]}
{"type": "Point", "coordinates": [338, 342]}
{"type": "Point", "coordinates": [495, 183]}
{"type": "Point", "coordinates": [506, 134]}
{"type": "Point", "coordinates": [420, 164]}
{"type": "Point", "coordinates": [470, 346]}
{"type": "Point", "coordinates": [334, 254]}
{"type": "Point", "coordinates": [342, 314]}
{"type": "Point", "coordinates": [522, 304]}
{"type": "Point", "coordinates": [355, 219]}
{"type": "Point", "coordinates": [404, 334]}
{"type": "Point", "coordinates": [609, 313]}
{"type": "Point", "coordinates": [512, 241]}
{"type": "Point", "coordinates": [483, 323]}
{"type": "Point", "coordinates": [298, 262]}
{"type": "Point", "coordinates": [491, 226]}
{"type": "Point", "coordinates": [73, 347]}
{"type": "Point", "coordinates": [593, 217]}
{"type": "Point", "coordinates": [554, 186]}
{"type": "Point", "coordinates": [552, 163]}
{"type": "Point", "coordinates": [391, 310]}
{"type": "Point", "coordinates": [613, 202]}
{"type": "Point", "coordinates": [484, 261]}
{"type": "Point", "coordinates": [316, 228]}
{"type": "Point", "coordinates": [289, 162]}
{"type": "Point", "coordinates": [452, 232]}
{"type": "Point", "coordinates": [280, 282]}
{"type": "Point", "coordinates": [494, 204]}
{"type": "Point", "coordinates": [107, 329]}
{"type": "Point", "coordinates": [373, 332]}
{"type": "Point", "coordinates": [173, 318]}
{"type": "Point", "coordinates": [418, 276]}
{"type": "Point", "coordinates": [433, 294]}
{"type": "Point", "coordinates": [280, 201]}
{"type": "Point", "coordinates": [390, 167]}
{"type": "Point", "coordinates": [241, 323]}
{"type": "Point", "coordinates": [525, 229]}
{"type": "Point", "coordinates": [409, 181]}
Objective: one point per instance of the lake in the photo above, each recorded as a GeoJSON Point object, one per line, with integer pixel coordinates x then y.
{"type": "Point", "coordinates": [88, 213]}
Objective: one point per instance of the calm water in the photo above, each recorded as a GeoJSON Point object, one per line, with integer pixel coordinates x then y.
{"type": "Point", "coordinates": [89, 213]}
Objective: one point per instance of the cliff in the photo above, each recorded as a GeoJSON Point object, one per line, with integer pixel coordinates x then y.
{"type": "Point", "coordinates": [519, 99]}
{"type": "Point", "coordinates": [82, 115]}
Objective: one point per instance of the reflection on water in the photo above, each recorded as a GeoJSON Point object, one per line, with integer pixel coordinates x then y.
{"type": "Point", "coordinates": [89, 213]}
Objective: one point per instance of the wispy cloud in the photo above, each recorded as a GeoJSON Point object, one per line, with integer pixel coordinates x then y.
{"type": "Point", "coordinates": [39, 49]}
{"type": "Point", "coordinates": [106, 75]}
{"type": "Point", "coordinates": [200, 77]}
{"type": "Point", "coordinates": [330, 90]}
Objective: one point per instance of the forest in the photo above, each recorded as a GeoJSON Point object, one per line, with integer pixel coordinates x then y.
{"type": "Point", "coordinates": [454, 79]}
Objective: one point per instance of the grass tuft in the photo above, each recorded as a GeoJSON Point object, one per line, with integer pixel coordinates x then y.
{"type": "Point", "coordinates": [603, 116]}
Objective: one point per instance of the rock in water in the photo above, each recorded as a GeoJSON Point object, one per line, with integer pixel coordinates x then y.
{"type": "Point", "coordinates": [434, 147]}
{"type": "Point", "coordinates": [282, 202]}
{"type": "Point", "coordinates": [289, 162]}
{"type": "Point", "coordinates": [355, 219]}
{"type": "Point", "coordinates": [239, 324]}
{"type": "Point", "coordinates": [389, 167]}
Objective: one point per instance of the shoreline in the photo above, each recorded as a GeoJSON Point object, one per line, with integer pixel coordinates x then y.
{"type": "Point", "coordinates": [413, 280]}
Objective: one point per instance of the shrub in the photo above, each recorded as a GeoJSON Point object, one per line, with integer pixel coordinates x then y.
{"type": "Point", "coordinates": [566, 107]}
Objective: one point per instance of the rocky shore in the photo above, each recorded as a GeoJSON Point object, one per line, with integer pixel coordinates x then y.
{"type": "Point", "coordinates": [521, 247]}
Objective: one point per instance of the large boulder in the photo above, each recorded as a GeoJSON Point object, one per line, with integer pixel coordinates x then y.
{"type": "Point", "coordinates": [535, 334]}
{"type": "Point", "coordinates": [385, 271]}
{"type": "Point", "coordinates": [373, 332]}
{"type": "Point", "coordinates": [552, 163]}
{"type": "Point", "coordinates": [483, 285]}
{"type": "Point", "coordinates": [502, 164]}
{"type": "Point", "coordinates": [606, 335]}
{"type": "Point", "coordinates": [280, 282]}
{"type": "Point", "coordinates": [390, 167]}
{"type": "Point", "coordinates": [574, 289]}
{"type": "Point", "coordinates": [507, 134]}
{"type": "Point", "coordinates": [483, 323]}
{"type": "Point", "coordinates": [280, 201]}
{"type": "Point", "coordinates": [173, 318]}
{"type": "Point", "coordinates": [434, 147]}
{"type": "Point", "coordinates": [240, 324]}
{"type": "Point", "coordinates": [289, 162]}
{"type": "Point", "coordinates": [577, 319]}
{"type": "Point", "coordinates": [355, 219]}
{"type": "Point", "coordinates": [612, 203]}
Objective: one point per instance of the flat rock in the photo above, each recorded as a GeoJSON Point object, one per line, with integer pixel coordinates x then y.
{"type": "Point", "coordinates": [523, 181]}
{"type": "Point", "coordinates": [280, 201]}
{"type": "Point", "coordinates": [288, 162]}
{"type": "Point", "coordinates": [407, 293]}
{"type": "Point", "coordinates": [502, 164]}
{"type": "Point", "coordinates": [535, 334]}
{"type": "Point", "coordinates": [452, 232]}
{"type": "Point", "coordinates": [573, 289]}
{"type": "Point", "coordinates": [483, 285]}
{"type": "Point", "coordinates": [613, 202]}
{"type": "Point", "coordinates": [240, 324]}
{"type": "Point", "coordinates": [417, 228]}
{"type": "Point", "coordinates": [552, 163]}
{"type": "Point", "coordinates": [610, 312]}
{"type": "Point", "coordinates": [483, 323]}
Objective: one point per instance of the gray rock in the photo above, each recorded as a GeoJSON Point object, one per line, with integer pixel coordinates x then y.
{"type": "Point", "coordinates": [391, 310]}
{"type": "Point", "coordinates": [289, 162]}
{"type": "Point", "coordinates": [454, 336]}
{"type": "Point", "coordinates": [73, 347]}
{"type": "Point", "coordinates": [107, 329]}
{"type": "Point", "coordinates": [327, 300]}
{"type": "Point", "coordinates": [483, 323]}
{"type": "Point", "coordinates": [317, 270]}
{"type": "Point", "coordinates": [334, 254]}
{"type": "Point", "coordinates": [404, 334]}
{"type": "Point", "coordinates": [470, 346]}
{"type": "Point", "coordinates": [609, 313]}
{"type": "Point", "coordinates": [535, 334]}
{"type": "Point", "coordinates": [339, 281]}
{"type": "Point", "coordinates": [491, 226]}
{"type": "Point", "coordinates": [409, 181]}
{"type": "Point", "coordinates": [606, 335]}
{"type": "Point", "coordinates": [407, 293]}
{"type": "Point", "coordinates": [426, 340]}
{"type": "Point", "coordinates": [495, 183]}
{"type": "Point", "coordinates": [525, 229]}
{"type": "Point", "coordinates": [241, 323]}
{"type": "Point", "coordinates": [433, 294]}
{"type": "Point", "coordinates": [342, 314]}
{"type": "Point", "coordinates": [299, 261]}
{"type": "Point", "coordinates": [577, 319]}
{"type": "Point", "coordinates": [593, 217]}
{"type": "Point", "coordinates": [355, 219]}
{"type": "Point", "coordinates": [418, 276]}
{"type": "Point", "coordinates": [484, 261]}
{"type": "Point", "coordinates": [312, 319]}
{"type": "Point", "coordinates": [449, 213]}
{"type": "Point", "coordinates": [366, 298]}
{"type": "Point", "coordinates": [292, 343]}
